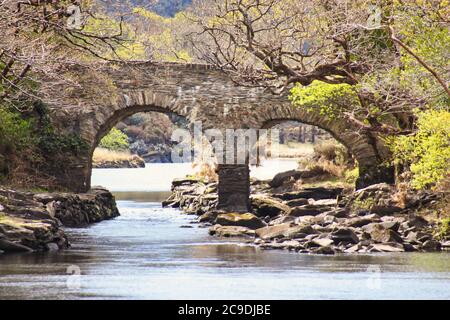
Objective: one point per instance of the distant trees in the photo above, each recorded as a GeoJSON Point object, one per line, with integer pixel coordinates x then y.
{"type": "Point", "coordinates": [115, 140]}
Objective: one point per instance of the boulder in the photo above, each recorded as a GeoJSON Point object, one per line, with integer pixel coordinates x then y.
{"type": "Point", "coordinates": [280, 178]}
{"type": "Point", "coordinates": [391, 225]}
{"type": "Point", "coordinates": [338, 213]}
{"type": "Point", "coordinates": [248, 220]}
{"type": "Point", "coordinates": [323, 242]}
{"type": "Point", "coordinates": [266, 206]}
{"type": "Point", "coordinates": [231, 231]}
{"type": "Point", "coordinates": [23, 234]}
{"type": "Point", "coordinates": [285, 230]}
{"type": "Point", "coordinates": [412, 237]}
{"type": "Point", "coordinates": [417, 222]}
{"type": "Point", "coordinates": [383, 210]}
{"type": "Point", "coordinates": [379, 233]}
{"type": "Point", "coordinates": [286, 245]}
{"type": "Point", "coordinates": [431, 245]}
{"type": "Point", "coordinates": [209, 216]}
{"type": "Point", "coordinates": [324, 202]}
{"type": "Point", "coordinates": [80, 210]}
{"type": "Point", "coordinates": [323, 250]}
{"type": "Point", "coordinates": [353, 249]}
{"type": "Point", "coordinates": [344, 235]}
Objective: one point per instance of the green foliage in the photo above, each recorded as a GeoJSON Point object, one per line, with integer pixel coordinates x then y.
{"type": "Point", "coordinates": [331, 99]}
{"type": "Point", "coordinates": [444, 229]}
{"type": "Point", "coordinates": [15, 132]}
{"type": "Point", "coordinates": [51, 142]}
{"type": "Point", "coordinates": [31, 142]}
{"type": "Point", "coordinates": [165, 41]}
{"type": "Point", "coordinates": [366, 203]}
{"type": "Point", "coordinates": [115, 140]}
{"type": "Point", "coordinates": [428, 150]}
{"type": "Point", "coordinates": [351, 175]}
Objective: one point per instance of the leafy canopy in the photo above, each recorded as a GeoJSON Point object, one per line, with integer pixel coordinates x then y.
{"type": "Point", "coordinates": [428, 150]}
{"type": "Point", "coordinates": [115, 140]}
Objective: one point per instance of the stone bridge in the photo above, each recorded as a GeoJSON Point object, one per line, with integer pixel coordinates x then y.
{"type": "Point", "coordinates": [200, 93]}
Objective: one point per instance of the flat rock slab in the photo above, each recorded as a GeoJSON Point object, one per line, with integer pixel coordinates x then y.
{"type": "Point", "coordinates": [323, 242]}
{"type": "Point", "coordinates": [248, 220]}
{"type": "Point", "coordinates": [231, 231]}
{"type": "Point", "coordinates": [283, 230]}
{"type": "Point", "coordinates": [311, 193]}
{"type": "Point", "coordinates": [378, 247]}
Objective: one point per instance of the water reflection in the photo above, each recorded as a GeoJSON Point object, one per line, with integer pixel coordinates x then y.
{"type": "Point", "coordinates": [145, 254]}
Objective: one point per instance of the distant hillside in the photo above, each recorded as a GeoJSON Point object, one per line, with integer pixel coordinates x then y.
{"type": "Point", "coordinates": [167, 8]}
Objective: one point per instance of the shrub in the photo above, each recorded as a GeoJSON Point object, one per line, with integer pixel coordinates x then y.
{"type": "Point", "coordinates": [134, 132]}
{"type": "Point", "coordinates": [427, 152]}
{"type": "Point", "coordinates": [329, 99]}
{"type": "Point", "coordinates": [332, 151]}
{"type": "Point", "coordinates": [351, 175]}
{"type": "Point", "coordinates": [15, 132]}
{"type": "Point", "coordinates": [115, 140]}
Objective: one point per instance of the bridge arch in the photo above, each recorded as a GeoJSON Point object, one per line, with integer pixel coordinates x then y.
{"type": "Point", "coordinates": [368, 152]}
{"type": "Point", "coordinates": [198, 93]}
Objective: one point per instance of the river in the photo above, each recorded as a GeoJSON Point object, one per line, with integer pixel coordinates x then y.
{"type": "Point", "coordinates": [151, 252]}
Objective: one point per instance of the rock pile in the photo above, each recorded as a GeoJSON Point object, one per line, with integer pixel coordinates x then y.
{"type": "Point", "coordinates": [315, 220]}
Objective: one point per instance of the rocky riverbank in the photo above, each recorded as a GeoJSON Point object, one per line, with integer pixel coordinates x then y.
{"type": "Point", "coordinates": [321, 220]}
{"type": "Point", "coordinates": [34, 221]}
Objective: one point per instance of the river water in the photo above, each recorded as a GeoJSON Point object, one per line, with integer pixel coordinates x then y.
{"type": "Point", "coordinates": [151, 252]}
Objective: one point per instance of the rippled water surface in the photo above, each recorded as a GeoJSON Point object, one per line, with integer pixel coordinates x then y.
{"type": "Point", "coordinates": [151, 252]}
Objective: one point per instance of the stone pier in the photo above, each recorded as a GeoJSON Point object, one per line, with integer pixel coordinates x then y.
{"type": "Point", "coordinates": [234, 188]}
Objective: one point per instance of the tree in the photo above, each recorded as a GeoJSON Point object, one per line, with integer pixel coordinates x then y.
{"type": "Point", "coordinates": [115, 140]}
{"type": "Point", "coordinates": [42, 42]}
{"type": "Point", "coordinates": [329, 45]}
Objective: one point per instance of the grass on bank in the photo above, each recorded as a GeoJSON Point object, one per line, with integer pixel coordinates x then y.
{"type": "Point", "coordinates": [106, 155]}
{"type": "Point", "coordinates": [292, 149]}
